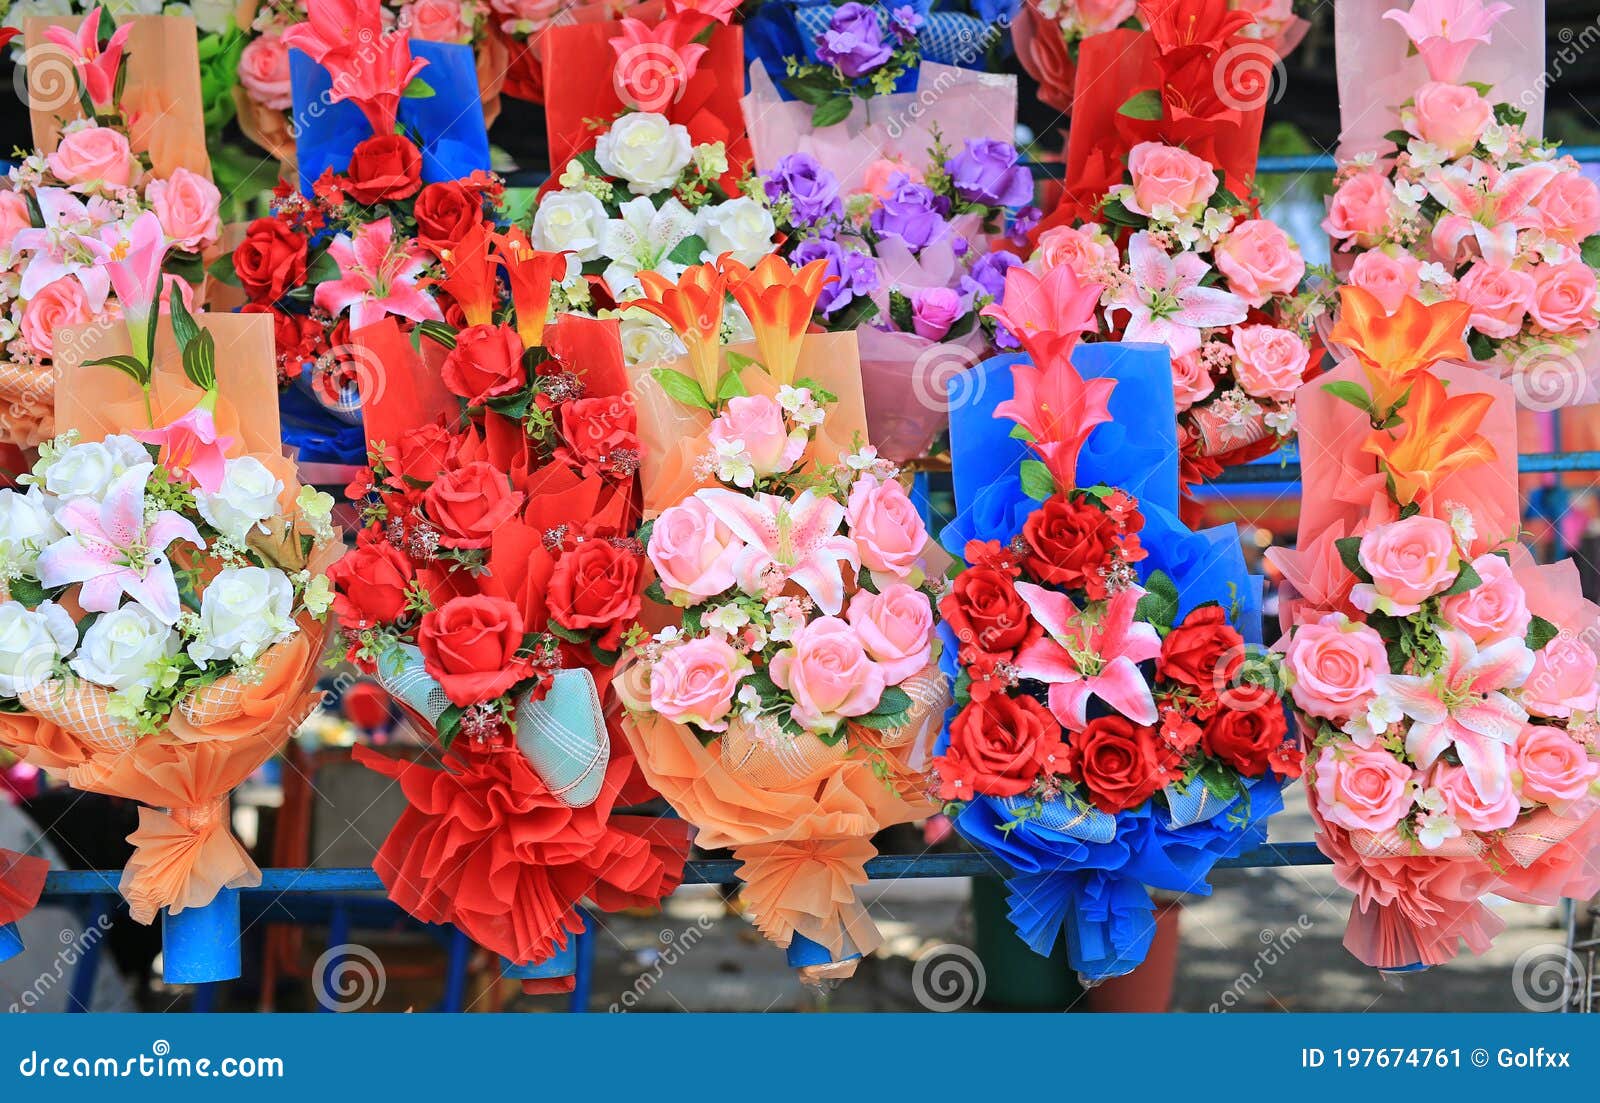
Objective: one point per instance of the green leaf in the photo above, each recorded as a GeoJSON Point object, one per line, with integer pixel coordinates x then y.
{"type": "Point", "coordinates": [1350, 555]}
{"type": "Point", "coordinates": [1144, 105]}
{"type": "Point", "coordinates": [321, 268]}
{"type": "Point", "coordinates": [27, 591]}
{"type": "Point", "coordinates": [1114, 211]}
{"type": "Point", "coordinates": [200, 360]}
{"type": "Point", "coordinates": [1398, 137]}
{"type": "Point", "coordinates": [880, 721]}
{"type": "Point", "coordinates": [129, 365]}
{"type": "Point", "coordinates": [688, 250]}
{"type": "Point", "coordinates": [418, 89]}
{"type": "Point", "coordinates": [222, 270]}
{"type": "Point", "coordinates": [836, 110]}
{"type": "Point", "coordinates": [1159, 605]}
{"type": "Point", "coordinates": [184, 328]}
{"type": "Point", "coordinates": [812, 89]}
{"type": "Point", "coordinates": [1348, 390]}
{"type": "Point", "coordinates": [1037, 482]}
{"type": "Point", "coordinates": [656, 593]}
{"type": "Point", "coordinates": [440, 333]}
{"type": "Point", "coordinates": [561, 631]}
{"type": "Point", "coordinates": [1590, 250]}
{"type": "Point", "coordinates": [1481, 345]}
{"type": "Point", "coordinates": [448, 725]}
{"type": "Point", "coordinates": [1506, 115]}
{"type": "Point", "coordinates": [890, 712]}
{"type": "Point", "coordinates": [681, 387]}
{"type": "Point", "coordinates": [1466, 580]}
{"type": "Point", "coordinates": [1021, 432]}
{"type": "Point", "coordinates": [1540, 632]}
{"type": "Point", "coordinates": [730, 385]}
{"type": "Point", "coordinates": [900, 312]}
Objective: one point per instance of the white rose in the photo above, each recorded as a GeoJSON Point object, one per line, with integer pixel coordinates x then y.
{"type": "Point", "coordinates": [85, 470]}
{"type": "Point", "coordinates": [648, 340]}
{"type": "Point", "coordinates": [24, 8]}
{"type": "Point", "coordinates": [119, 648]}
{"type": "Point", "coordinates": [26, 527]}
{"type": "Point", "coordinates": [645, 150]}
{"type": "Point", "coordinates": [32, 641]}
{"type": "Point", "coordinates": [740, 226]}
{"type": "Point", "coordinates": [247, 495]}
{"type": "Point", "coordinates": [572, 221]}
{"type": "Point", "coordinates": [244, 611]}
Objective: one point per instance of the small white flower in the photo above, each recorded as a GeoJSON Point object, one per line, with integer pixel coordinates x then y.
{"type": "Point", "coordinates": [318, 595]}
{"type": "Point", "coordinates": [1433, 272]}
{"type": "Point", "coordinates": [572, 175]}
{"type": "Point", "coordinates": [711, 158]}
{"type": "Point", "coordinates": [1497, 139]}
{"type": "Point", "coordinates": [726, 618]}
{"type": "Point", "coordinates": [1215, 224]}
{"type": "Point", "coordinates": [646, 150]}
{"type": "Point", "coordinates": [32, 641]}
{"type": "Point", "coordinates": [733, 463]}
{"type": "Point", "coordinates": [569, 221]}
{"type": "Point", "coordinates": [1409, 194]}
{"type": "Point", "coordinates": [1434, 828]}
{"type": "Point", "coordinates": [787, 619]}
{"type": "Point", "coordinates": [246, 497]}
{"type": "Point", "coordinates": [864, 460]}
{"type": "Point", "coordinates": [244, 611]}
{"type": "Point", "coordinates": [1462, 524]}
{"type": "Point", "coordinates": [1425, 155]}
{"type": "Point", "coordinates": [1365, 728]}
{"type": "Point", "coordinates": [1281, 421]}
{"type": "Point", "coordinates": [120, 647]}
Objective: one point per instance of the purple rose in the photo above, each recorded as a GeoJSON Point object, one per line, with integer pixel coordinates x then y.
{"type": "Point", "coordinates": [911, 212]}
{"type": "Point", "coordinates": [934, 310]}
{"type": "Point", "coordinates": [987, 172]}
{"type": "Point", "coordinates": [812, 190]}
{"type": "Point", "coordinates": [988, 275]}
{"type": "Point", "coordinates": [854, 41]}
{"type": "Point", "coordinates": [854, 274]}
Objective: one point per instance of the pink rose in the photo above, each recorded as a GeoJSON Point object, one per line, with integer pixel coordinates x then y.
{"type": "Point", "coordinates": [1088, 252]}
{"type": "Point", "coordinates": [827, 671]}
{"type": "Point", "coordinates": [875, 181]}
{"type": "Point", "coordinates": [1389, 278]}
{"type": "Point", "coordinates": [693, 553]}
{"type": "Point", "coordinates": [1565, 678]}
{"type": "Point", "coordinates": [1271, 362]}
{"type": "Point", "coordinates": [264, 71]}
{"type": "Point", "coordinates": [885, 525]}
{"type": "Point", "coordinates": [1554, 768]}
{"type": "Point", "coordinates": [1260, 261]}
{"type": "Point", "coordinates": [1569, 208]}
{"type": "Point", "coordinates": [934, 310]}
{"type": "Point", "coordinates": [93, 157]}
{"type": "Point", "coordinates": [1362, 790]}
{"type": "Point", "coordinates": [14, 217]}
{"type": "Point", "coordinates": [1273, 17]}
{"type": "Point", "coordinates": [695, 681]}
{"type": "Point", "coordinates": [1450, 116]}
{"type": "Point", "coordinates": [1360, 210]}
{"type": "Point", "coordinates": [1190, 380]}
{"type": "Point", "coordinates": [1563, 296]}
{"type": "Point", "coordinates": [436, 21]}
{"type": "Point", "coordinates": [536, 14]}
{"type": "Point", "coordinates": [1409, 560]}
{"type": "Point", "coordinates": [1494, 610]}
{"type": "Point", "coordinates": [895, 627]}
{"type": "Point", "coordinates": [1469, 808]}
{"type": "Point", "coordinates": [1499, 298]}
{"type": "Point", "coordinates": [59, 303]}
{"type": "Point", "coordinates": [757, 421]}
{"type": "Point", "coordinates": [1097, 16]}
{"type": "Point", "coordinates": [186, 203]}
{"type": "Point", "coordinates": [1336, 664]}
{"type": "Point", "coordinates": [1169, 178]}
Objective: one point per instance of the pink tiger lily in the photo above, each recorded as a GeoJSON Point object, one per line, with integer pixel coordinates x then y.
{"type": "Point", "coordinates": [97, 68]}
{"type": "Point", "coordinates": [1486, 208]}
{"type": "Point", "coordinates": [377, 277]}
{"type": "Point", "coordinates": [796, 541]}
{"type": "Point", "coordinates": [1165, 301]}
{"type": "Point", "coordinates": [1081, 656]}
{"type": "Point", "coordinates": [1445, 32]}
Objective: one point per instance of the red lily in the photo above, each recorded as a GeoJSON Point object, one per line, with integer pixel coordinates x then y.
{"type": "Point", "coordinates": [532, 274]}
{"type": "Point", "coordinates": [471, 276]}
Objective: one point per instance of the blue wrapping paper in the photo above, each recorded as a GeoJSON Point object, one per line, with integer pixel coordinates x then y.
{"type": "Point", "coordinates": [803, 952]}
{"type": "Point", "coordinates": [201, 945]}
{"type": "Point", "coordinates": [10, 941]}
{"type": "Point", "coordinates": [562, 963]}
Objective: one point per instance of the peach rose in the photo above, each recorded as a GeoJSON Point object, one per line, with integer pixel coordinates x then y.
{"type": "Point", "coordinates": [1499, 298]}
{"type": "Point", "coordinates": [827, 671]}
{"type": "Point", "coordinates": [14, 218]}
{"type": "Point", "coordinates": [1190, 380]}
{"type": "Point", "coordinates": [1409, 560]}
{"type": "Point", "coordinates": [1362, 789]}
{"type": "Point", "coordinates": [896, 628]}
{"type": "Point", "coordinates": [695, 681]}
{"type": "Point", "coordinates": [1565, 678]}
{"type": "Point", "coordinates": [1170, 179]}
{"type": "Point", "coordinates": [1270, 362]}
{"type": "Point", "coordinates": [1259, 260]}
{"type": "Point", "coordinates": [1450, 116]}
{"type": "Point", "coordinates": [93, 157]}
{"type": "Point", "coordinates": [1088, 252]}
{"type": "Point", "coordinates": [1097, 16]}
{"type": "Point", "coordinates": [1569, 208]}
{"type": "Point", "coordinates": [693, 553]}
{"type": "Point", "coordinates": [59, 303]}
{"type": "Point", "coordinates": [757, 422]}
{"type": "Point", "coordinates": [186, 203]}
{"type": "Point", "coordinates": [1551, 767]}
{"type": "Point", "coordinates": [1335, 664]}
{"type": "Point", "coordinates": [885, 525]}
{"type": "Point", "coordinates": [264, 71]}
{"type": "Point", "coordinates": [1390, 278]}
{"type": "Point", "coordinates": [1360, 210]}
{"type": "Point", "coordinates": [1496, 609]}
{"type": "Point", "coordinates": [1471, 810]}
{"type": "Point", "coordinates": [875, 181]}
{"type": "Point", "coordinates": [1563, 296]}
{"type": "Point", "coordinates": [436, 21]}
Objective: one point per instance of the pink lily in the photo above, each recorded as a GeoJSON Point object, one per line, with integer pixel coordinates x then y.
{"type": "Point", "coordinates": [1058, 409]}
{"type": "Point", "coordinates": [377, 277]}
{"type": "Point", "coordinates": [1164, 300]}
{"type": "Point", "coordinates": [375, 78]}
{"type": "Point", "coordinates": [112, 549]}
{"type": "Point", "coordinates": [1082, 655]}
{"type": "Point", "coordinates": [1047, 315]}
{"type": "Point", "coordinates": [1446, 31]}
{"type": "Point", "coordinates": [786, 541]}
{"type": "Point", "coordinates": [59, 248]}
{"type": "Point", "coordinates": [1461, 705]}
{"type": "Point", "coordinates": [131, 255]}
{"type": "Point", "coordinates": [333, 26]}
{"type": "Point", "coordinates": [190, 446]}
{"type": "Point", "coordinates": [97, 68]}
{"type": "Point", "coordinates": [1486, 207]}
{"type": "Point", "coordinates": [655, 63]}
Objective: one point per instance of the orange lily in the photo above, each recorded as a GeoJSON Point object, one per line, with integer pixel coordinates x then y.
{"type": "Point", "coordinates": [1441, 435]}
{"type": "Point", "coordinates": [471, 276]}
{"type": "Point", "coordinates": [1392, 350]}
{"type": "Point", "coordinates": [532, 273]}
{"type": "Point", "coordinates": [693, 308]}
{"type": "Point", "coordinates": [778, 300]}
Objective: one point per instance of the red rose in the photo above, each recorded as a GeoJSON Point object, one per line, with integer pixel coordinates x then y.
{"type": "Point", "coordinates": [1121, 763]}
{"type": "Point", "coordinates": [445, 211]}
{"type": "Point", "coordinates": [1204, 652]}
{"type": "Point", "coordinates": [369, 582]}
{"type": "Point", "coordinates": [1247, 731]}
{"type": "Point", "coordinates": [468, 503]}
{"type": "Point", "coordinates": [469, 645]}
{"type": "Point", "coordinates": [596, 429]}
{"type": "Point", "coordinates": [999, 747]}
{"type": "Point", "coordinates": [987, 614]}
{"type": "Point", "coordinates": [270, 260]}
{"type": "Point", "coordinates": [384, 167]}
{"type": "Point", "coordinates": [420, 454]}
{"type": "Point", "coordinates": [1068, 542]}
{"type": "Point", "coordinates": [596, 585]}
{"type": "Point", "coordinates": [486, 363]}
